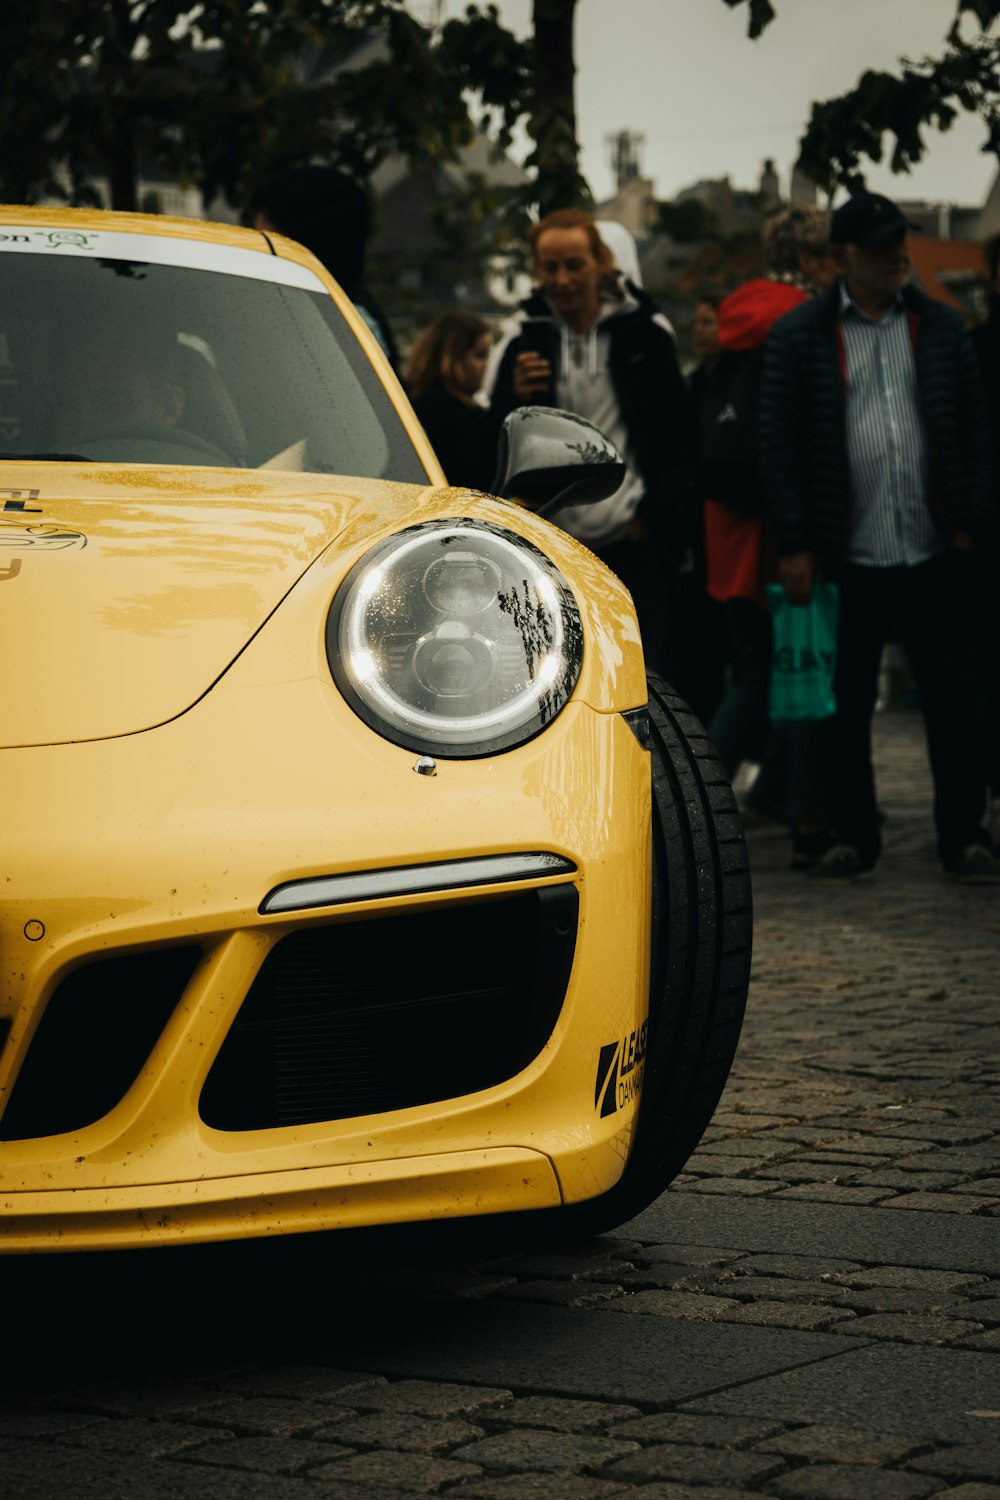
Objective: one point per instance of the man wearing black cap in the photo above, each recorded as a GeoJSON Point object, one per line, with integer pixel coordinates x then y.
{"type": "Point", "coordinates": [876, 465]}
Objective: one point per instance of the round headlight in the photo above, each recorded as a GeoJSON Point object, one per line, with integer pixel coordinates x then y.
{"type": "Point", "coordinates": [455, 638]}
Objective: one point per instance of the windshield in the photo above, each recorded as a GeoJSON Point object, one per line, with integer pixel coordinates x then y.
{"type": "Point", "coordinates": [133, 361]}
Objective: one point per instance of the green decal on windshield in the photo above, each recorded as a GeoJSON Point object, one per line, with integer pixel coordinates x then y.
{"type": "Point", "coordinates": [72, 237]}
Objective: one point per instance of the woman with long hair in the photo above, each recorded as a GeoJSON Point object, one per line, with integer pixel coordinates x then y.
{"type": "Point", "coordinates": [444, 371]}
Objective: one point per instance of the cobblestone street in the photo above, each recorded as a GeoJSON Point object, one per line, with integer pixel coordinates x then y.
{"type": "Point", "coordinates": [812, 1312]}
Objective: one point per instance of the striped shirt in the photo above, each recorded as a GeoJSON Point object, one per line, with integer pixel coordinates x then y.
{"type": "Point", "coordinates": [892, 525]}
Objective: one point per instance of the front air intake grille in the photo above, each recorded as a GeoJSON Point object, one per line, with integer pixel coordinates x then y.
{"type": "Point", "coordinates": [363, 1017]}
{"type": "Point", "coordinates": [99, 1027]}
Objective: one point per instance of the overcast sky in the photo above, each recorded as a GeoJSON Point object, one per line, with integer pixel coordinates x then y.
{"type": "Point", "coordinates": [710, 102]}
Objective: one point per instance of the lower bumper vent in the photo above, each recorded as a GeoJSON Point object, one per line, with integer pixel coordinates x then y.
{"type": "Point", "coordinates": [363, 1017]}
{"type": "Point", "coordinates": [97, 1030]}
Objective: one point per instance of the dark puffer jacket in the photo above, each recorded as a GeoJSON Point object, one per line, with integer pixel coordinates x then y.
{"type": "Point", "coordinates": [986, 342]}
{"type": "Point", "coordinates": [803, 425]}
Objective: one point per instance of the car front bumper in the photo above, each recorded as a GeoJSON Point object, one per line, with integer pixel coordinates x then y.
{"type": "Point", "coordinates": [134, 848]}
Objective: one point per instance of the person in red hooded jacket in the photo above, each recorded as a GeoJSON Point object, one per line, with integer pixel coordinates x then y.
{"type": "Point", "coordinates": [740, 559]}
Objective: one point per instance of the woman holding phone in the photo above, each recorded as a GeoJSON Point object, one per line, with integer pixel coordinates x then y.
{"type": "Point", "coordinates": [590, 341]}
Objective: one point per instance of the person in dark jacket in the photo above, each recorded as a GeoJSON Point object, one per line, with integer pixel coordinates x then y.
{"type": "Point", "coordinates": [707, 652]}
{"type": "Point", "coordinates": [590, 341]}
{"type": "Point", "coordinates": [986, 342]}
{"type": "Point", "coordinates": [328, 212]}
{"type": "Point", "coordinates": [876, 465]}
{"type": "Point", "coordinates": [445, 371]}
{"type": "Point", "coordinates": [740, 559]}
{"type": "Point", "coordinates": [704, 343]}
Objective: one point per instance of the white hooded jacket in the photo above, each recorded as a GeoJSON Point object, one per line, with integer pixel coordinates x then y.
{"type": "Point", "coordinates": [584, 386]}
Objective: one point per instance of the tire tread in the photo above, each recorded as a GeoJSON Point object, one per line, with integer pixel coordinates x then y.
{"type": "Point", "coordinates": [700, 959]}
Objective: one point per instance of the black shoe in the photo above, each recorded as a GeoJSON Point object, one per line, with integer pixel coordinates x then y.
{"type": "Point", "coordinates": [841, 862]}
{"type": "Point", "coordinates": [976, 865]}
{"type": "Point", "coordinates": [809, 848]}
{"type": "Point", "coordinates": [760, 817]}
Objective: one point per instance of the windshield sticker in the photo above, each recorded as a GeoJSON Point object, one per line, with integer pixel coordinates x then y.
{"type": "Point", "coordinates": [53, 239]}
{"type": "Point", "coordinates": [43, 536]}
{"type": "Point", "coordinates": [56, 238]}
{"type": "Point", "coordinates": [164, 250]}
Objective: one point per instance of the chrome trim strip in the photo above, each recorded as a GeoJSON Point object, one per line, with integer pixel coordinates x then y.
{"type": "Point", "coordinates": [380, 885]}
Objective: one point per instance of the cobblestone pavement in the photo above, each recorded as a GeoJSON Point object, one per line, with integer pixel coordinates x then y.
{"type": "Point", "coordinates": [811, 1313]}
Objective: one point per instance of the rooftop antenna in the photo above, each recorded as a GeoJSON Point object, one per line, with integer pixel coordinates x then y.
{"type": "Point", "coordinates": [626, 152]}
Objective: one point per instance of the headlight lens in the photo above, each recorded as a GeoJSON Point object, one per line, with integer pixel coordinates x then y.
{"type": "Point", "coordinates": [455, 638]}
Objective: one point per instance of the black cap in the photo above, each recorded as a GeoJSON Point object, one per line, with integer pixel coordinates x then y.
{"type": "Point", "coordinates": [868, 219]}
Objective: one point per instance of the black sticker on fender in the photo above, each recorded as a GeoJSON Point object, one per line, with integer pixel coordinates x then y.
{"type": "Point", "coordinates": [40, 537]}
{"type": "Point", "coordinates": [619, 1071]}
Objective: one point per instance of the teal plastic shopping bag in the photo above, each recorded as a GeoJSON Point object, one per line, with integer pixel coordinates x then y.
{"type": "Point", "coordinates": [805, 654]}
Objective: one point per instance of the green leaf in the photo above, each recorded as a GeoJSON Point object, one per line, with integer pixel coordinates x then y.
{"type": "Point", "coordinates": [221, 92]}
{"type": "Point", "coordinates": [899, 107]}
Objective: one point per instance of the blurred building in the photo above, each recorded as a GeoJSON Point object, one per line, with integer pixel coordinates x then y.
{"type": "Point", "coordinates": [634, 203]}
{"type": "Point", "coordinates": [433, 243]}
{"type": "Point", "coordinates": [954, 271]}
{"type": "Point", "coordinates": [708, 234]}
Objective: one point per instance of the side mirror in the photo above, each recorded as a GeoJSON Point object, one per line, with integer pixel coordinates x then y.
{"type": "Point", "coordinates": [549, 458]}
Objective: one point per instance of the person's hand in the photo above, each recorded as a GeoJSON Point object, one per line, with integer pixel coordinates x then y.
{"type": "Point", "coordinates": [798, 573]}
{"type": "Point", "coordinates": [532, 374]}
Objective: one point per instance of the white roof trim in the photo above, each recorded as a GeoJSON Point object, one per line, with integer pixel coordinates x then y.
{"type": "Point", "coordinates": [158, 249]}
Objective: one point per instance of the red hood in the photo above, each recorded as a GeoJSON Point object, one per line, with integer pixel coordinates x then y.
{"type": "Point", "coordinates": [747, 315]}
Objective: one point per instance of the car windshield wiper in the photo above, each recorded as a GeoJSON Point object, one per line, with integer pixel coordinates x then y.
{"type": "Point", "coordinates": [51, 457]}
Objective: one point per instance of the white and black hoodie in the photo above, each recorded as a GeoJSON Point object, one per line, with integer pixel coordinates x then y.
{"type": "Point", "coordinates": [623, 375]}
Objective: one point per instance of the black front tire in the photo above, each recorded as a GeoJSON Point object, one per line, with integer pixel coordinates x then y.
{"type": "Point", "coordinates": [702, 924]}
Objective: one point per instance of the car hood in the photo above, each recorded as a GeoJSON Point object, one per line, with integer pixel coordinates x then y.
{"type": "Point", "coordinates": [126, 593]}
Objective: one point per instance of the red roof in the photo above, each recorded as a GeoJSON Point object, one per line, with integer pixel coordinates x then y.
{"type": "Point", "coordinates": [950, 270]}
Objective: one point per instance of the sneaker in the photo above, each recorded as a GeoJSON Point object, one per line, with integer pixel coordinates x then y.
{"type": "Point", "coordinates": [809, 848]}
{"type": "Point", "coordinates": [842, 862]}
{"type": "Point", "coordinates": [976, 865]}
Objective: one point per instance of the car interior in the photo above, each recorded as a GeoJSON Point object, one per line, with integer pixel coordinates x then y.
{"type": "Point", "coordinates": [172, 365]}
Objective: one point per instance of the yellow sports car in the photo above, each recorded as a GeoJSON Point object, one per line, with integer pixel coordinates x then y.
{"type": "Point", "coordinates": [352, 871]}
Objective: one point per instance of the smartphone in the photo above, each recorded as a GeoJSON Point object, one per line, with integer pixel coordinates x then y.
{"type": "Point", "coordinates": [535, 337]}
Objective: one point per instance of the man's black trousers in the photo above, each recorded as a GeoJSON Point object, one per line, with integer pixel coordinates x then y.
{"type": "Point", "coordinates": [926, 609]}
